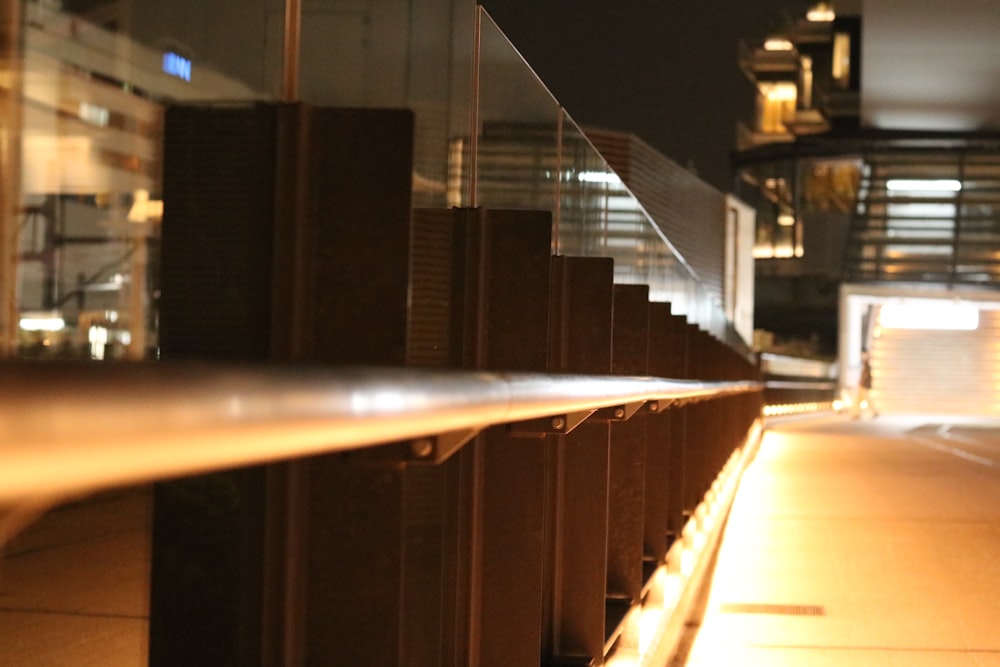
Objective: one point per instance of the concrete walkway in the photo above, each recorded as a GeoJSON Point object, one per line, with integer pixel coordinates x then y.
{"type": "Point", "coordinates": [861, 543]}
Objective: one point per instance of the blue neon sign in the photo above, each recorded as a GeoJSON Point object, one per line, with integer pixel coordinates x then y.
{"type": "Point", "coordinates": [176, 65]}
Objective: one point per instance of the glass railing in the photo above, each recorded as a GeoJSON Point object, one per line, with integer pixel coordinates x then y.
{"type": "Point", "coordinates": [531, 154]}
{"type": "Point", "coordinates": [84, 121]}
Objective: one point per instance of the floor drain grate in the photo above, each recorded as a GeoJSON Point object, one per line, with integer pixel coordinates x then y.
{"type": "Point", "coordinates": [779, 609]}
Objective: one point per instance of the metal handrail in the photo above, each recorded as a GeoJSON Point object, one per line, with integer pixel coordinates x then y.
{"type": "Point", "coordinates": [68, 428]}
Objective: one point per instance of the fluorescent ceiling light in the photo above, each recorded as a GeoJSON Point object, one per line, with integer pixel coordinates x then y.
{"type": "Point", "coordinates": [598, 177]}
{"type": "Point", "coordinates": [929, 314]}
{"type": "Point", "coordinates": [924, 185]}
{"type": "Point", "coordinates": [42, 322]}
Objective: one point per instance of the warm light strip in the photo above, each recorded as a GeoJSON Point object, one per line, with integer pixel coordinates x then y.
{"type": "Point", "coordinates": [798, 408]}
{"type": "Point", "coordinates": [67, 428]}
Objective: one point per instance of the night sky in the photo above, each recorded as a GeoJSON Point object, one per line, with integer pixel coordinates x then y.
{"type": "Point", "coordinates": [665, 70]}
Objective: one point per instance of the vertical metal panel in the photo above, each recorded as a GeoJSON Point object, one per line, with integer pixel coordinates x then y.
{"type": "Point", "coordinates": [436, 600]}
{"type": "Point", "coordinates": [432, 283]}
{"type": "Point", "coordinates": [274, 555]}
{"type": "Point", "coordinates": [353, 598]}
{"type": "Point", "coordinates": [219, 185]}
{"type": "Point", "coordinates": [356, 256]}
{"type": "Point", "coordinates": [630, 351]}
{"type": "Point", "coordinates": [580, 342]}
{"type": "Point", "coordinates": [658, 441]}
{"type": "Point", "coordinates": [209, 531]}
{"type": "Point", "coordinates": [508, 494]}
{"type": "Point", "coordinates": [698, 426]}
{"type": "Point", "coordinates": [360, 240]}
{"type": "Point", "coordinates": [680, 367]}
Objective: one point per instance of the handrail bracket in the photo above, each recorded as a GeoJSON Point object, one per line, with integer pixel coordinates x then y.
{"type": "Point", "coordinates": [555, 425]}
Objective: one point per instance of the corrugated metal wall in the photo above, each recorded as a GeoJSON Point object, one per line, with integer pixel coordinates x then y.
{"type": "Point", "coordinates": [939, 372]}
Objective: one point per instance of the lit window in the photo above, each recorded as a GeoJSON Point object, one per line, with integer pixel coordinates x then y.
{"type": "Point", "coordinates": [842, 60]}
{"type": "Point", "coordinates": [777, 105]}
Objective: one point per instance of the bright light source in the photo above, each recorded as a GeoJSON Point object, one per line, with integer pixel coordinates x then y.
{"type": "Point", "coordinates": [924, 185]}
{"type": "Point", "coordinates": [143, 208]}
{"type": "Point", "coordinates": [929, 314]}
{"type": "Point", "coordinates": [786, 220]}
{"type": "Point", "coordinates": [176, 65]}
{"type": "Point", "coordinates": [778, 44]}
{"type": "Point", "coordinates": [598, 177]}
{"type": "Point", "coordinates": [779, 92]}
{"type": "Point", "coordinates": [821, 13]}
{"type": "Point", "coordinates": [42, 322]}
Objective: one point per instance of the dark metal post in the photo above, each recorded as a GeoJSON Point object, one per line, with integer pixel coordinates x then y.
{"type": "Point", "coordinates": [580, 342]}
{"type": "Point", "coordinates": [679, 416]}
{"type": "Point", "coordinates": [511, 309]}
{"type": "Point", "coordinates": [658, 444]}
{"type": "Point", "coordinates": [630, 352]}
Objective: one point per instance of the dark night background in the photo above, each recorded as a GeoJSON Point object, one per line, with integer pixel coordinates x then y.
{"type": "Point", "coordinates": [665, 70]}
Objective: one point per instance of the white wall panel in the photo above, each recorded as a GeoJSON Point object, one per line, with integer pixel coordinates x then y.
{"type": "Point", "coordinates": [939, 372]}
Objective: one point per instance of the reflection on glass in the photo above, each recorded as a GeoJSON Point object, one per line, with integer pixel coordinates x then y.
{"type": "Point", "coordinates": [95, 79]}
{"type": "Point", "coordinates": [97, 75]}
{"type": "Point", "coordinates": [393, 54]}
{"type": "Point", "coordinates": [532, 155]}
{"type": "Point", "coordinates": [518, 157]}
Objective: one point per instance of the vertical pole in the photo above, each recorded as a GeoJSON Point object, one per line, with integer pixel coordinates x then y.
{"type": "Point", "coordinates": [290, 73]}
{"type": "Point", "coordinates": [137, 295]}
{"type": "Point", "coordinates": [10, 172]}
{"type": "Point", "coordinates": [474, 111]}
{"type": "Point", "coordinates": [557, 209]}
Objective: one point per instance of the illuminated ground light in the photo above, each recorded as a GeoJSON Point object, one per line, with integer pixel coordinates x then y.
{"type": "Point", "coordinates": [801, 408]}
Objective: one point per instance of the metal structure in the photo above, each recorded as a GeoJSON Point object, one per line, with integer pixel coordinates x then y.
{"type": "Point", "coordinates": [71, 428]}
{"type": "Point", "coordinates": [528, 487]}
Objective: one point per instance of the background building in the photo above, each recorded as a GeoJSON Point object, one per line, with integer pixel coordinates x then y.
{"type": "Point", "coordinates": [873, 162]}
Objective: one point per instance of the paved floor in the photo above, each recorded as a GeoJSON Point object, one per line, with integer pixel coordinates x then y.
{"type": "Point", "coordinates": [73, 586]}
{"type": "Point", "coordinates": [870, 543]}
{"type": "Point", "coordinates": [862, 543]}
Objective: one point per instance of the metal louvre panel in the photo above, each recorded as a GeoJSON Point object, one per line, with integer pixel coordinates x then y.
{"type": "Point", "coordinates": [429, 334]}
{"type": "Point", "coordinates": [219, 179]}
{"type": "Point", "coordinates": [939, 372]}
